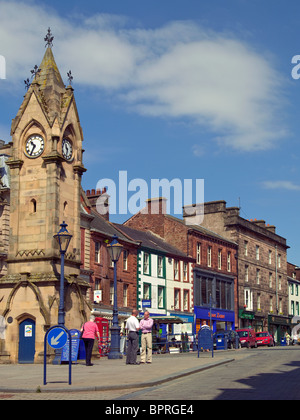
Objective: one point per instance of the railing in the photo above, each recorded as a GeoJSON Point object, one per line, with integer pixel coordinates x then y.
{"type": "Point", "coordinates": [171, 346]}
{"type": "Point", "coordinates": [158, 347]}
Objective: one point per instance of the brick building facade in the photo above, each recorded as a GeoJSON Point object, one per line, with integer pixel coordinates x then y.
{"type": "Point", "coordinates": [96, 233]}
{"type": "Point", "coordinates": [262, 268]}
{"type": "Point", "coordinates": [215, 269]}
{"type": "Point", "coordinates": [164, 275]}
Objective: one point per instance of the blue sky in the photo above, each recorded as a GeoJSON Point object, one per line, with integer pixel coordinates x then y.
{"type": "Point", "coordinates": [175, 89]}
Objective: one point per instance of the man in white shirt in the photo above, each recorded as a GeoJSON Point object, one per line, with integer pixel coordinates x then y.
{"type": "Point", "coordinates": [133, 326]}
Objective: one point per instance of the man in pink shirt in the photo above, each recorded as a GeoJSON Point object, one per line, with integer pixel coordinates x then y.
{"type": "Point", "coordinates": [146, 325]}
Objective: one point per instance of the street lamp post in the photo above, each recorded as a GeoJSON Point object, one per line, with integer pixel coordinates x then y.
{"type": "Point", "coordinates": [114, 249]}
{"type": "Point", "coordinates": [63, 238]}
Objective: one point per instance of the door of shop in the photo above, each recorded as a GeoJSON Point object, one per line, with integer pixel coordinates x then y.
{"type": "Point", "coordinates": [26, 341]}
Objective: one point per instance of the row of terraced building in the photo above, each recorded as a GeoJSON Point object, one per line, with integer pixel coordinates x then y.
{"type": "Point", "coordinates": [229, 271]}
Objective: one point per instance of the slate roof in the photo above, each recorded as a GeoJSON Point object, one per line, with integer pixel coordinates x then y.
{"type": "Point", "coordinates": [151, 241]}
{"type": "Point", "coordinates": [99, 224]}
{"type": "Point", "coordinates": [196, 228]}
{"type": "Point", "coordinates": [202, 230]}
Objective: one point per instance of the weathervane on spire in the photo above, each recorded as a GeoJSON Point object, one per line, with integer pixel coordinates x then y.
{"type": "Point", "coordinates": [27, 83]}
{"type": "Point", "coordinates": [35, 71]}
{"type": "Point", "coordinates": [49, 39]}
{"type": "Point", "coordinates": [70, 77]}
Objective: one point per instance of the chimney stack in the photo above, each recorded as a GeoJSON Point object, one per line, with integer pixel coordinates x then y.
{"type": "Point", "coordinates": [94, 195]}
{"type": "Point", "coordinates": [157, 205]}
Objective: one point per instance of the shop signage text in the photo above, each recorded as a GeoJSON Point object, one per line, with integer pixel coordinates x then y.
{"type": "Point", "coordinates": [217, 315]}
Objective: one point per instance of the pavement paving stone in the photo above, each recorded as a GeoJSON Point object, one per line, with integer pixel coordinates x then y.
{"type": "Point", "coordinates": [108, 374]}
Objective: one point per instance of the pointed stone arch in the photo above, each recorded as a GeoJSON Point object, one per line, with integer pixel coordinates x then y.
{"type": "Point", "coordinates": [33, 127]}
{"type": "Point", "coordinates": [83, 302]}
{"type": "Point", "coordinates": [33, 123]}
{"type": "Point", "coordinates": [69, 131]}
{"type": "Point", "coordinates": [20, 318]}
{"type": "Point", "coordinates": [37, 293]}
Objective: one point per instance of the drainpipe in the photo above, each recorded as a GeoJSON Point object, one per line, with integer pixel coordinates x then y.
{"type": "Point", "coordinates": [236, 256]}
{"type": "Point", "coordinates": [276, 278]}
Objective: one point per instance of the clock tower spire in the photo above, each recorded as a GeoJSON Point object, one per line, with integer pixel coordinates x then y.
{"type": "Point", "coordinates": [45, 170]}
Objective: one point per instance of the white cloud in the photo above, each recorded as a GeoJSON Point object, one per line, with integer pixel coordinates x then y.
{"type": "Point", "coordinates": [281, 185]}
{"type": "Point", "coordinates": [179, 71]}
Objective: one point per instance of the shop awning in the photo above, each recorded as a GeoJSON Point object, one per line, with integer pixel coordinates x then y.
{"type": "Point", "coordinates": [167, 319]}
{"type": "Point", "coordinates": [295, 320]}
{"type": "Point", "coordinates": [246, 314]}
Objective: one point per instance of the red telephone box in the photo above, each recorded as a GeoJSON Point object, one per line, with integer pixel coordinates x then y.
{"type": "Point", "coordinates": [103, 327]}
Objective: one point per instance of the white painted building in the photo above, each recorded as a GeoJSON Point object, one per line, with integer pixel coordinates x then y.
{"type": "Point", "coordinates": [294, 296]}
{"type": "Point", "coordinates": [164, 276]}
{"type": "Point", "coordinates": [151, 277]}
{"type": "Point", "coordinates": [179, 280]}
{"type": "Point", "coordinates": [293, 280]}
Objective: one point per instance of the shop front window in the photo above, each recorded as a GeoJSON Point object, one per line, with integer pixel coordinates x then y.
{"type": "Point", "coordinates": [221, 293]}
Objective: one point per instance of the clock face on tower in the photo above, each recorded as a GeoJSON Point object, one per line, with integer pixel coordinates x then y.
{"type": "Point", "coordinates": [67, 149]}
{"type": "Point", "coordinates": [34, 146]}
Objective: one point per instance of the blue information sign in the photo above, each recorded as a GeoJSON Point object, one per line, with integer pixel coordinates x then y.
{"type": "Point", "coordinates": [57, 338]}
{"type": "Point", "coordinates": [205, 340]}
{"type": "Point", "coordinates": [75, 347]}
{"type": "Point", "coordinates": [146, 303]}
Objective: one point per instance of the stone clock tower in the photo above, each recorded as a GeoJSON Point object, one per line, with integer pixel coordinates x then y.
{"type": "Point", "coordinates": [45, 166]}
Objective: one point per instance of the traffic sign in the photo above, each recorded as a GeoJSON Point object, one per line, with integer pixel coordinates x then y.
{"type": "Point", "coordinates": [57, 338]}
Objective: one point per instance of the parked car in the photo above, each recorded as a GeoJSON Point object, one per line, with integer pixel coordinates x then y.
{"type": "Point", "coordinates": [247, 337]}
{"type": "Point", "coordinates": [231, 336]}
{"type": "Point", "coordinates": [264, 338]}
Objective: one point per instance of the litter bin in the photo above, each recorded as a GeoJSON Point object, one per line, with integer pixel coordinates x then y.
{"type": "Point", "coordinates": [221, 342]}
{"type": "Point", "coordinates": [283, 342]}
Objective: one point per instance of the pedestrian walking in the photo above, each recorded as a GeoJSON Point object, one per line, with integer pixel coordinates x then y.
{"type": "Point", "coordinates": [89, 332]}
{"type": "Point", "coordinates": [132, 326]}
{"type": "Point", "coordinates": [204, 326]}
{"type": "Point", "coordinates": [146, 325]}
{"type": "Point", "coordinates": [122, 342]}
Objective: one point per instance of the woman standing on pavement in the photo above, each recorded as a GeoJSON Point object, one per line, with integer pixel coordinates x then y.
{"type": "Point", "coordinates": [90, 331]}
